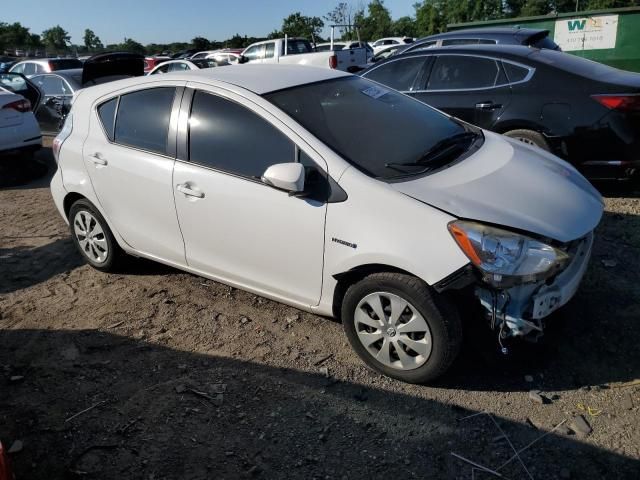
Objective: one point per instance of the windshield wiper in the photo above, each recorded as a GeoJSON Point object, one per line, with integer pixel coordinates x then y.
{"type": "Point", "coordinates": [439, 150]}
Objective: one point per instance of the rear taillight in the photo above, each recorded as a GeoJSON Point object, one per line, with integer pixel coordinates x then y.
{"type": "Point", "coordinates": [61, 137]}
{"type": "Point", "coordinates": [19, 105]}
{"type": "Point", "coordinates": [625, 103]}
{"type": "Point", "coordinates": [333, 61]}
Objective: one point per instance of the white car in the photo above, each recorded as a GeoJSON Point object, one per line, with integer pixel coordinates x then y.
{"type": "Point", "coordinates": [183, 65]}
{"type": "Point", "coordinates": [383, 43]}
{"type": "Point", "coordinates": [203, 54]}
{"type": "Point", "coordinates": [19, 130]}
{"type": "Point", "coordinates": [36, 66]}
{"type": "Point", "coordinates": [266, 179]}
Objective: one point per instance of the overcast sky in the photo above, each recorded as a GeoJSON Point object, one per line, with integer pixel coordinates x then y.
{"type": "Point", "coordinates": [166, 21]}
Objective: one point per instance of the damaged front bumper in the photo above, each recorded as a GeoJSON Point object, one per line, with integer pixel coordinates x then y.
{"type": "Point", "coordinates": [519, 311]}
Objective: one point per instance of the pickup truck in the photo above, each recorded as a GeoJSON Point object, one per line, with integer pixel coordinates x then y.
{"type": "Point", "coordinates": [298, 51]}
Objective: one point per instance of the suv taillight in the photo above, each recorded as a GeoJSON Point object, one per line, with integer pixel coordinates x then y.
{"type": "Point", "coordinates": [62, 136]}
{"type": "Point", "coordinates": [333, 61]}
{"type": "Point", "coordinates": [19, 105]}
{"type": "Point", "coordinates": [625, 103]}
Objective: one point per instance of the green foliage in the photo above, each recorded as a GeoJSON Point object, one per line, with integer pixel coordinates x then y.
{"type": "Point", "coordinates": [92, 41]}
{"type": "Point", "coordinates": [14, 36]}
{"type": "Point", "coordinates": [201, 43]}
{"type": "Point", "coordinates": [298, 25]}
{"type": "Point", "coordinates": [376, 23]}
{"type": "Point", "coordinates": [56, 38]}
{"type": "Point", "coordinates": [130, 45]}
{"type": "Point", "coordinates": [373, 18]}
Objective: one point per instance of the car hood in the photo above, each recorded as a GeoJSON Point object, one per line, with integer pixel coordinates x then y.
{"type": "Point", "coordinates": [119, 64]}
{"type": "Point", "coordinates": [514, 185]}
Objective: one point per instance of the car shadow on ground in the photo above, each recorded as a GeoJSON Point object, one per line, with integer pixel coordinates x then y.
{"type": "Point", "coordinates": [24, 266]}
{"type": "Point", "coordinates": [92, 404]}
{"type": "Point", "coordinates": [18, 171]}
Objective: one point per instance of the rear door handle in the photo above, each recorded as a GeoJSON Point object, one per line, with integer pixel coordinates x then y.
{"type": "Point", "coordinates": [98, 159]}
{"type": "Point", "coordinates": [488, 106]}
{"type": "Point", "coordinates": [186, 190]}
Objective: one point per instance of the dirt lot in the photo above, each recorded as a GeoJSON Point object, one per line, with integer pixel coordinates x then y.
{"type": "Point", "coordinates": [158, 374]}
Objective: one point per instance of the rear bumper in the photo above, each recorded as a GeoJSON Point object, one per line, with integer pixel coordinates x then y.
{"type": "Point", "coordinates": [611, 169]}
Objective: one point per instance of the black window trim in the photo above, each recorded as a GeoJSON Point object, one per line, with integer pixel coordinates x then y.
{"type": "Point", "coordinates": [498, 61]}
{"type": "Point", "coordinates": [183, 137]}
{"type": "Point", "coordinates": [173, 120]}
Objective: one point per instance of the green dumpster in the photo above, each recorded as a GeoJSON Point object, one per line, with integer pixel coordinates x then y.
{"type": "Point", "coordinates": [608, 36]}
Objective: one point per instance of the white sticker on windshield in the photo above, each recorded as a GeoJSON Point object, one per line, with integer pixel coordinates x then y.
{"type": "Point", "coordinates": [375, 92]}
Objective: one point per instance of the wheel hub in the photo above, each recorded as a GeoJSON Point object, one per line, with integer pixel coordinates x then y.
{"type": "Point", "coordinates": [90, 236]}
{"type": "Point", "coordinates": [393, 331]}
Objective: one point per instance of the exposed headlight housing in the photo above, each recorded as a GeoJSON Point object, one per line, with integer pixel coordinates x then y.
{"type": "Point", "coordinates": [506, 258]}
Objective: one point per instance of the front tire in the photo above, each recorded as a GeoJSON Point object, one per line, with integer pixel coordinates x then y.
{"type": "Point", "coordinates": [400, 328]}
{"type": "Point", "coordinates": [92, 237]}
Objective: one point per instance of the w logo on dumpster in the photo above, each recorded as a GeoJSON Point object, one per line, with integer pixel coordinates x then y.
{"type": "Point", "coordinates": [576, 24]}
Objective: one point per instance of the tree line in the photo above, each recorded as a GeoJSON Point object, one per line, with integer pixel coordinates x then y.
{"type": "Point", "coordinates": [374, 21]}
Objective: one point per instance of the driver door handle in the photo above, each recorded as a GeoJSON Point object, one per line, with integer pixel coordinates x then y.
{"type": "Point", "coordinates": [186, 190]}
{"type": "Point", "coordinates": [488, 106]}
{"type": "Point", "coordinates": [98, 159]}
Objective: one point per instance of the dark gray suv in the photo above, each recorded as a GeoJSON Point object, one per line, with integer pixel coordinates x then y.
{"type": "Point", "coordinates": [530, 37]}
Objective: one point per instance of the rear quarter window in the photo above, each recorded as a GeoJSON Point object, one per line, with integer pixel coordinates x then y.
{"type": "Point", "coordinates": [65, 64]}
{"type": "Point", "coordinates": [107, 113]}
{"type": "Point", "coordinates": [515, 73]}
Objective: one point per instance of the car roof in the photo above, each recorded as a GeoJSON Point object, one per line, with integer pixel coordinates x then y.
{"type": "Point", "coordinates": [487, 32]}
{"type": "Point", "coordinates": [492, 50]}
{"type": "Point", "coordinates": [259, 79]}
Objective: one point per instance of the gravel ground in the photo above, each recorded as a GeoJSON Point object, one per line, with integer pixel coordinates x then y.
{"type": "Point", "coordinates": [158, 374]}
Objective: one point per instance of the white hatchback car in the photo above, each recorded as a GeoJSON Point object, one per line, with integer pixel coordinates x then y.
{"type": "Point", "coordinates": [19, 129]}
{"type": "Point", "coordinates": [267, 178]}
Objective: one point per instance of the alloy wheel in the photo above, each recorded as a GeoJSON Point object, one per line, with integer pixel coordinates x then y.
{"type": "Point", "coordinates": [393, 331]}
{"type": "Point", "coordinates": [90, 236]}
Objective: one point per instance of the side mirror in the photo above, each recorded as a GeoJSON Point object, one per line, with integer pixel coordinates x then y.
{"type": "Point", "coordinates": [242, 59]}
{"type": "Point", "coordinates": [285, 176]}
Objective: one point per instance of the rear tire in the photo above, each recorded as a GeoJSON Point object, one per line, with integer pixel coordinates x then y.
{"type": "Point", "coordinates": [93, 238]}
{"type": "Point", "coordinates": [529, 137]}
{"type": "Point", "coordinates": [420, 335]}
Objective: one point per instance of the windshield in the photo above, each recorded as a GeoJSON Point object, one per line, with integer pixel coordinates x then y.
{"type": "Point", "coordinates": [382, 132]}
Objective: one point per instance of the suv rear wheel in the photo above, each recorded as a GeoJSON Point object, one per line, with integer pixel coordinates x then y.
{"type": "Point", "coordinates": [398, 327]}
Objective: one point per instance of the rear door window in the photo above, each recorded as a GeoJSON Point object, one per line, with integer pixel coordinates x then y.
{"type": "Point", "coordinates": [51, 85]}
{"type": "Point", "coordinates": [227, 136]}
{"type": "Point", "coordinates": [255, 53]}
{"type": "Point", "coordinates": [143, 119]}
{"type": "Point", "coordinates": [400, 75]}
{"type": "Point", "coordinates": [463, 72]}
{"type": "Point", "coordinates": [29, 69]}
{"type": "Point", "coordinates": [269, 50]}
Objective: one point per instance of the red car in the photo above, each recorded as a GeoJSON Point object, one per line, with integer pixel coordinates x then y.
{"type": "Point", "coordinates": [5, 470]}
{"type": "Point", "coordinates": [151, 62]}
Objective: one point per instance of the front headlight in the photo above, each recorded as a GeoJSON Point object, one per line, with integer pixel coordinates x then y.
{"type": "Point", "coordinates": [504, 257]}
